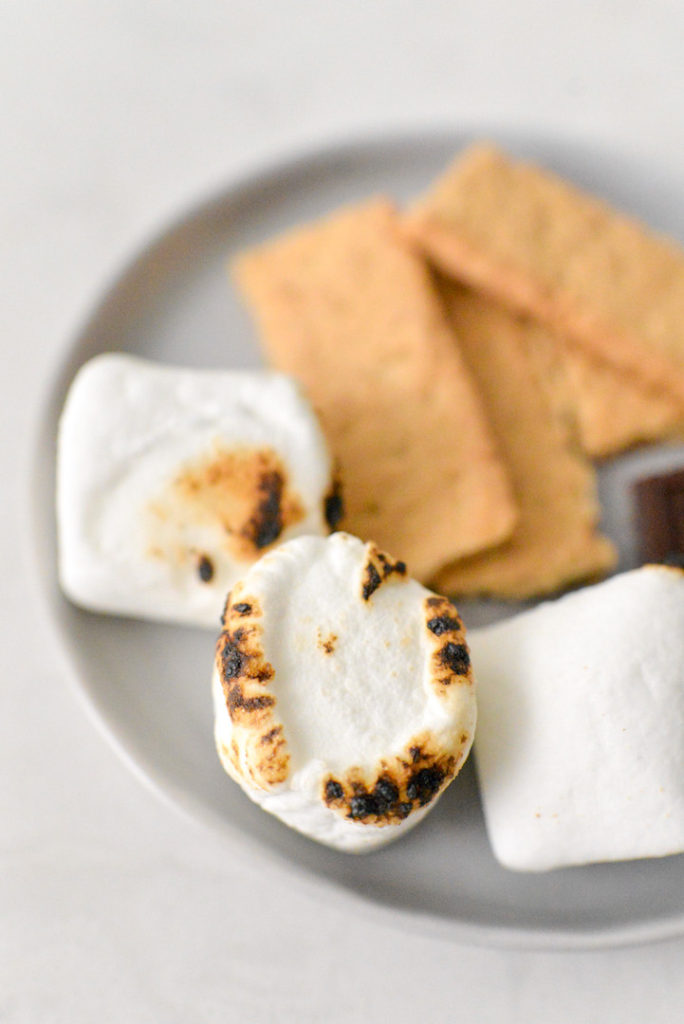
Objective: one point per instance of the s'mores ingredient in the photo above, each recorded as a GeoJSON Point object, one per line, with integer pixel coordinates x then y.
{"type": "Point", "coordinates": [660, 517]}
{"type": "Point", "coordinates": [343, 694]}
{"type": "Point", "coordinates": [555, 541]}
{"type": "Point", "coordinates": [348, 308]}
{"type": "Point", "coordinates": [543, 247]}
{"type": "Point", "coordinates": [614, 409]}
{"type": "Point", "coordinates": [171, 482]}
{"type": "Point", "coordinates": [580, 742]}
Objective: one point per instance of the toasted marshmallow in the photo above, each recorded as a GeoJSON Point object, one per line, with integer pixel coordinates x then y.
{"type": "Point", "coordinates": [172, 482]}
{"type": "Point", "coordinates": [580, 742]}
{"type": "Point", "coordinates": [343, 695]}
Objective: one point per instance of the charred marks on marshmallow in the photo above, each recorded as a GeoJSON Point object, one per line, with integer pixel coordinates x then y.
{"type": "Point", "coordinates": [333, 503]}
{"type": "Point", "coordinates": [245, 492]}
{"type": "Point", "coordinates": [258, 744]}
{"type": "Point", "coordinates": [417, 775]}
{"type": "Point", "coordinates": [449, 658]}
{"type": "Point", "coordinates": [205, 568]}
{"type": "Point", "coordinates": [401, 785]}
{"type": "Point", "coordinates": [379, 567]}
{"type": "Point", "coordinates": [327, 643]}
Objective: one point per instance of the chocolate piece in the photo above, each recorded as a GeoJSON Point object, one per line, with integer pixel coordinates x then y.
{"type": "Point", "coordinates": [660, 517]}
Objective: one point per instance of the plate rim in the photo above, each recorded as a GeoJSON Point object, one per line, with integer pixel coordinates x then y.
{"type": "Point", "coordinates": [254, 176]}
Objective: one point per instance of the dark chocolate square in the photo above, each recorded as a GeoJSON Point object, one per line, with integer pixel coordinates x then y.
{"type": "Point", "coordinates": [660, 517]}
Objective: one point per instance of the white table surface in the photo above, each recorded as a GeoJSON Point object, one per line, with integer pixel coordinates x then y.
{"type": "Point", "coordinates": [112, 115]}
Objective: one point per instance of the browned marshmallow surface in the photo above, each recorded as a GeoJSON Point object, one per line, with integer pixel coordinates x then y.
{"type": "Point", "coordinates": [343, 691]}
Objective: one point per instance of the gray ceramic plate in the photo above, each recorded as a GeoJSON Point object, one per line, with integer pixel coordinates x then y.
{"type": "Point", "coordinates": [149, 685]}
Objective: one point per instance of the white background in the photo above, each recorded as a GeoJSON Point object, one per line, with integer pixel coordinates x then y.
{"type": "Point", "coordinates": [112, 115]}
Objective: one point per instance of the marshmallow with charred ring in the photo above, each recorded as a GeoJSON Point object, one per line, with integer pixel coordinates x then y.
{"type": "Point", "coordinates": [344, 701]}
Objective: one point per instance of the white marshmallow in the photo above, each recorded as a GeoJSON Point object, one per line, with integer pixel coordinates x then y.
{"type": "Point", "coordinates": [343, 697]}
{"type": "Point", "coordinates": [171, 482]}
{"type": "Point", "coordinates": [580, 742]}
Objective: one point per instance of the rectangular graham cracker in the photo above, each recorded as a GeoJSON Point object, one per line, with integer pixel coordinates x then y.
{"type": "Point", "coordinates": [346, 306]}
{"type": "Point", "coordinates": [614, 410]}
{"type": "Point", "coordinates": [556, 541]}
{"type": "Point", "coordinates": [541, 246]}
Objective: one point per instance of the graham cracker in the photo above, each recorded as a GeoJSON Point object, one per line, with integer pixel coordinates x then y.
{"type": "Point", "coordinates": [349, 309]}
{"type": "Point", "coordinates": [556, 541]}
{"type": "Point", "coordinates": [534, 242]}
{"type": "Point", "coordinates": [614, 410]}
